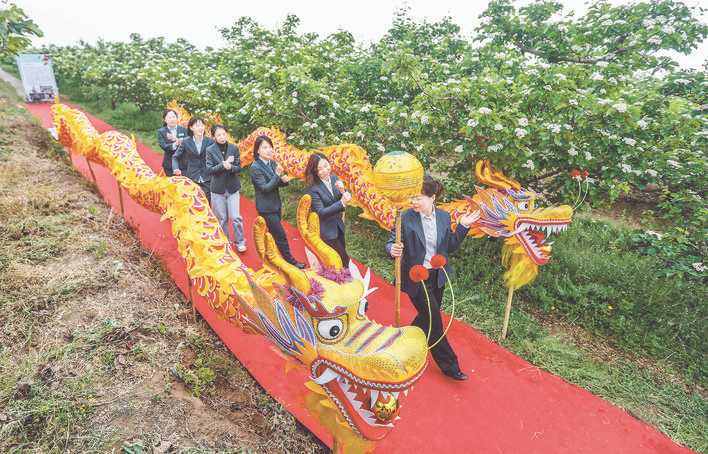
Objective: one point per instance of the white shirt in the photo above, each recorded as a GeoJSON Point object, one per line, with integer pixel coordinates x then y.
{"type": "Point", "coordinates": [328, 184]}
{"type": "Point", "coordinates": [430, 231]}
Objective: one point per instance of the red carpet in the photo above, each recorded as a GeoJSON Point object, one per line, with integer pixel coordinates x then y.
{"type": "Point", "coordinates": [507, 406]}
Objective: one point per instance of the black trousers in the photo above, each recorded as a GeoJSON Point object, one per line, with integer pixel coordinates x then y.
{"type": "Point", "coordinates": [207, 191]}
{"type": "Point", "coordinates": [339, 245]}
{"type": "Point", "coordinates": [443, 354]}
{"type": "Point", "coordinates": [276, 229]}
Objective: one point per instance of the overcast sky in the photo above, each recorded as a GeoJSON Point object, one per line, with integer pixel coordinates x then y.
{"type": "Point", "coordinates": [67, 21]}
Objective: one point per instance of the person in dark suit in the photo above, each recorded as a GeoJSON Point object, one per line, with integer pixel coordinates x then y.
{"type": "Point", "coordinates": [192, 154]}
{"type": "Point", "coordinates": [223, 164]}
{"type": "Point", "coordinates": [267, 178]}
{"type": "Point", "coordinates": [170, 137]}
{"type": "Point", "coordinates": [425, 232]}
{"type": "Point", "coordinates": [329, 200]}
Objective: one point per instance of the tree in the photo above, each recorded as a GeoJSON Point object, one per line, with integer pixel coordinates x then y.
{"type": "Point", "coordinates": [15, 30]}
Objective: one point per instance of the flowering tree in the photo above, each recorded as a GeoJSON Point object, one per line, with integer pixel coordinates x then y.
{"type": "Point", "coordinates": [537, 91]}
{"type": "Point", "coordinates": [15, 29]}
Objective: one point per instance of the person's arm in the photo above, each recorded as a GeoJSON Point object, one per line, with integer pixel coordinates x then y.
{"type": "Point", "coordinates": [319, 207]}
{"type": "Point", "coordinates": [177, 156]}
{"type": "Point", "coordinates": [456, 237]}
{"type": "Point", "coordinates": [391, 241]}
{"type": "Point", "coordinates": [213, 165]}
{"type": "Point", "coordinates": [261, 181]}
{"type": "Point", "coordinates": [167, 147]}
{"type": "Point", "coordinates": [236, 165]}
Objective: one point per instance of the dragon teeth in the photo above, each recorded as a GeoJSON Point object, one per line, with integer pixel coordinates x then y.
{"type": "Point", "coordinates": [374, 397]}
{"type": "Point", "coordinates": [326, 377]}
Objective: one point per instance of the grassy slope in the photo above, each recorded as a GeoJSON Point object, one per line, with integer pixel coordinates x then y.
{"type": "Point", "coordinates": [567, 321]}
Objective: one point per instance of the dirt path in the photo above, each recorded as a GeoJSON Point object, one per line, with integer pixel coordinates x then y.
{"type": "Point", "coordinates": [98, 349]}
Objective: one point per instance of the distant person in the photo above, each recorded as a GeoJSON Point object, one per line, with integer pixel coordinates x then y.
{"type": "Point", "coordinates": [329, 200]}
{"type": "Point", "coordinates": [170, 137]}
{"type": "Point", "coordinates": [426, 231]}
{"type": "Point", "coordinates": [268, 177]}
{"type": "Point", "coordinates": [192, 153]}
{"type": "Point", "coordinates": [223, 164]}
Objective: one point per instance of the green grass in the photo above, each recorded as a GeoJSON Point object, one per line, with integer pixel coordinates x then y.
{"type": "Point", "coordinates": [595, 281]}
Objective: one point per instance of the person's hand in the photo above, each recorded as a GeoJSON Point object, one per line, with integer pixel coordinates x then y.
{"type": "Point", "coordinates": [177, 172]}
{"type": "Point", "coordinates": [467, 219]}
{"type": "Point", "coordinates": [346, 197]}
{"type": "Point", "coordinates": [230, 159]}
{"type": "Point", "coordinates": [179, 141]}
{"type": "Point", "coordinates": [279, 170]}
{"type": "Point", "coordinates": [285, 178]}
{"type": "Point", "coordinates": [227, 165]}
{"type": "Point", "coordinates": [397, 250]}
{"type": "Point", "coordinates": [339, 185]}
{"type": "Point", "coordinates": [171, 137]}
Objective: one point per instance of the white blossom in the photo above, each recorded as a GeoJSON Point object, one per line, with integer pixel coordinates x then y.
{"type": "Point", "coordinates": [652, 173]}
{"type": "Point", "coordinates": [424, 119]}
{"type": "Point", "coordinates": [573, 102]}
{"type": "Point", "coordinates": [485, 110]}
{"type": "Point", "coordinates": [654, 40]}
{"type": "Point", "coordinates": [699, 266]}
{"type": "Point", "coordinates": [673, 163]}
{"type": "Point", "coordinates": [498, 127]}
{"type": "Point", "coordinates": [520, 132]}
{"type": "Point", "coordinates": [588, 156]}
{"type": "Point", "coordinates": [629, 141]}
{"type": "Point", "coordinates": [596, 76]}
{"type": "Point", "coordinates": [472, 123]}
{"type": "Point", "coordinates": [653, 233]}
{"type": "Point", "coordinates": [554, 128]}
{"type": "Point", "coordinates": [642, 124]}
{"type": "Point", "coordinates": [523, 121]}
{"type": "Point", "coordinates": [529, 164]}
{"type": "Point", "coordinates": [573, 151]}
{"type": "Point", "coordinates": [459, 149]}
{"type": "Point", "coordinates": [668, 29]}
{"type": "Point", "coordinates": [602, 64]}
{"type": "Point", "coordinates": [626, 168]}
{"type": "Point", "coordinates": [620, 107]}
{"type": "Point", "coordinates": [495, 148]}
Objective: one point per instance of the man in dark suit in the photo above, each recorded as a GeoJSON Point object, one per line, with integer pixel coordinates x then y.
{"type": "Point", "coordinates": [267, 177]}
{"type": "Point", "coordinates": [190, 158]}
{"type": "Point", "coordinates": [425, 232]}
{"type": "Point", "coordinates": [170, 137]}
{"type": "Point", "coordinates": [329, 201]}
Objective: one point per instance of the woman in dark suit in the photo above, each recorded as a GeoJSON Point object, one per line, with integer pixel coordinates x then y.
{"type": "Point", "coordinates": [190, 158]}
{"type": "Point", "coordinates": [223, 164]}
{"type": "Point", "coordinates": [170, 137]}
{"type": "Point", "coordinates": [329, 200]}
{"type": "Point", "coordinates": [267, 178]}
{"type": "Point", "coordinates": [425, 232]}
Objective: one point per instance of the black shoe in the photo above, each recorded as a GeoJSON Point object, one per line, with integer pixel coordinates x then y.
{"type": "Point", "coordinates": [456, 375]}
{"type": "Point", "coordinates": [298, 264]}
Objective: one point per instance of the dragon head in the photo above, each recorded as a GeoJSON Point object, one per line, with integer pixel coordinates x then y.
{"type": "Point", "coordinates": [509, 211]}
{"type": "Point", "coordinates": [362, 370]}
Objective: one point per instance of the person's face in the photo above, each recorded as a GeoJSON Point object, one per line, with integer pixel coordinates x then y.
{"type": "Point", "coordinates": [422, 203]}
{"type": "Point", "coordinates": [323, 169]}
{"type": "Point", "coordinates": [265, 151]}
{"type": "Point", "coordinates": [220, 136]}
{"type": "Point", "coordinates": [171, 120]}
{"type": "Point", "coordinates": [198, 128]}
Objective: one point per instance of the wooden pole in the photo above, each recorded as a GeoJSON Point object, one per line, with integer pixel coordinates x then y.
{"type": "Point", "coordinates": [191, 299]}
{"type": "Point", "coordinates": [397, 265]}
{"type": "Point", "coordinates": [93, 175]}
{"type": "Point", "coordinates": [507, 312]}
{"type": "Point", "coordinates": [120, 197]}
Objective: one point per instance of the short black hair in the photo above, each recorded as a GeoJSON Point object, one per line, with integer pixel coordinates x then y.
{"type": "Point", "coordinates": [192, 122]}
{"type": "Point", "coordinates": [217, 126]}
{"type": "Point", "coordinates": [257, 144]}
{"type": "Point", "coordinates": [164, 114]}
{"type": "Point", "coordinates": [313, 163]}
{"type": "Point", "coordinates": [431, 187]}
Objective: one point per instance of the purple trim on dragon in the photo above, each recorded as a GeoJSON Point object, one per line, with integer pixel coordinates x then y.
{"type": "Point", "coordinates": [358, 333]}
{"type": "Point", "coordinates": [370, 339]}
{"type": "Point", "coordinates": [390, 340]}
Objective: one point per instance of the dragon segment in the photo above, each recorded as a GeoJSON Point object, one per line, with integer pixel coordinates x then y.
{"type": "Point", "coordinates": [509, 211]}
{"type": "Point", "coordinates": [361, 371]}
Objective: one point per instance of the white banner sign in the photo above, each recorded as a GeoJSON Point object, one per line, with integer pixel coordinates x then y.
{"type": "Point", "coordinates": [37, 77]}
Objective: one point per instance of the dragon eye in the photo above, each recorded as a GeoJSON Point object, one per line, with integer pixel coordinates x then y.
{"type": "Point", "coordinates": [523, 206]}
{"type": "Point", "coordinates": [330, 329]}
{"type": "Point", "coordinates": [361, 312]}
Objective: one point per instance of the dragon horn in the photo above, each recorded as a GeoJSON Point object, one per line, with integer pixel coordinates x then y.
{"type": "Point", "coordinates": [309, 226]}
{"type": "Point", "coordinates": [486, 174]}
{"type": "Point", "coordinates": [296, 277]}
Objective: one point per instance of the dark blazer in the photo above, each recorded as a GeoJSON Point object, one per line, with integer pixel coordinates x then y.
{"type": "Point", "coordinates": [190, 161]}
{"type": "Point", "coordinates": [329, 208]}
{"type": "Point", "coordinates": [266, 183]}
{"type": "Point", "coordinates": [167, 146]}
{"type": "Point", "coordinates": [223, 180]}
{"type": "Point", "coordinates": [413, 240]}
